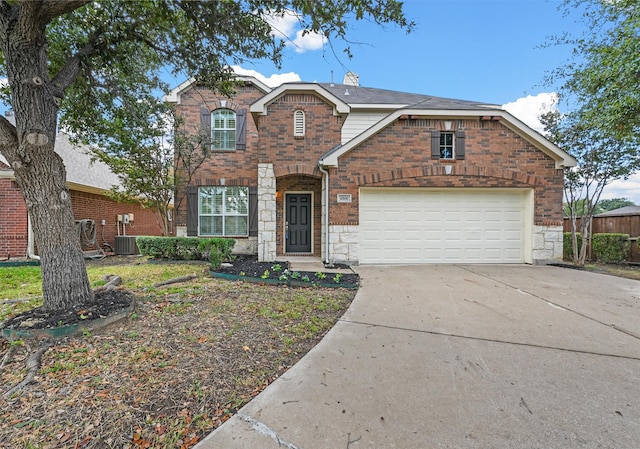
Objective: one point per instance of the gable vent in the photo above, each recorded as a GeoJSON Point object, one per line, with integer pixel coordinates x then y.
{"type": "Point", "coordinates": [298, 123]}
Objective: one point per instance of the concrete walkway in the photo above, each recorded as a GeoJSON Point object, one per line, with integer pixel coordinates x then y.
{"type": "Point", "coordinates": [475, 356]}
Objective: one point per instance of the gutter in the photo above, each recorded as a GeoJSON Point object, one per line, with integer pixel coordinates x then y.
{"type": "Point", "coordinates": [327, 262]}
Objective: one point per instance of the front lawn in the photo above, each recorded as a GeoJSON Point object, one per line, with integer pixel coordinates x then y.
{"type": "Point", "coordinates": [178, 366]}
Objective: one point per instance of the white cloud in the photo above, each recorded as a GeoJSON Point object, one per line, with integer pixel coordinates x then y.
{"type": "Point", "coordinates": [286, 27]}
{"type": "Point", "coordinates": [283, 26]}
{"type": "Point", "coordinates": [629, 189]}
{"type": "Point", "coordinates": [307, 42]}
{"type": "Point", "coordinates": [530, 108]}
{"type": "Point", "coordinates": [273, 81]}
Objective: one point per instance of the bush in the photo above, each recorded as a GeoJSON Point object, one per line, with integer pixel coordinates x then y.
{"type": "Point", "coordinates": [567, 245]}
{"type": "Point", "coordinates": [215, 250]}
{"type": "Point", "coordinates": [610, 248]}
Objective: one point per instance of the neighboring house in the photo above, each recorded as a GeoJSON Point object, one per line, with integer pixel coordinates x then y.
{"type": "Point", "coordinates": [621, 212]}
{"type": "Point", "coordinates": [88, 182]}
{"type": "Point", "coordinates": [361, 175]}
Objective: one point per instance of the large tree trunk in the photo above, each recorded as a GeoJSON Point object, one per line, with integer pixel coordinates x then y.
{"type": "Point", "coordinates": [43, 182]}
{"type": "Point", "coordinates": [39, 171]}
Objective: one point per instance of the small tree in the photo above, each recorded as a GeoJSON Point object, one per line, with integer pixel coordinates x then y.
{"type": "Point", "coordinates": [134, 143]}
{"type": "Point", "coordinates": [601, 159]}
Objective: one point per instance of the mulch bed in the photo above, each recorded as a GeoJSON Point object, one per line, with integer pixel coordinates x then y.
{"type": "Point", "coordinates": [106, 303]}
{"type": "Point", "coordinates": [248, 266]}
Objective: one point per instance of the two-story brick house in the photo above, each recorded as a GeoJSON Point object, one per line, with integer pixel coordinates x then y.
{"type": "Point", "coordinates": [361, 175]}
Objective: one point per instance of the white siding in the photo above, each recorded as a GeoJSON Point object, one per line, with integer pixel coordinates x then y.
{"type": "Point", "coordinates": [358, 122]}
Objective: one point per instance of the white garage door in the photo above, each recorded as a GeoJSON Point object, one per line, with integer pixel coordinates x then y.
{"type": "Point", "coordinates": [400, 225]}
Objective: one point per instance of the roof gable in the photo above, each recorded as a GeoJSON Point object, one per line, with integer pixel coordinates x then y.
{"type": "Point", "coordinates": [260, 106]}
{"type": "Point", "coordinates": [175, 94]}
{"type": "Point", "coordinates": [562, 158]}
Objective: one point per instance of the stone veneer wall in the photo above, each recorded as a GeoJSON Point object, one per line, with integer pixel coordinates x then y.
{"type": "Point", "coordinates": [266, 213]}
{"type": "Point", "coordinates": [343, 243]}
{"type": "Point", "coordinates": [547, 244]}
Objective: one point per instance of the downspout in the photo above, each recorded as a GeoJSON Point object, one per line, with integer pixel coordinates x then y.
{"type": "Point", "coordinates": [31, 250]}
{"type": "Point", "coordinates": [327, 262]}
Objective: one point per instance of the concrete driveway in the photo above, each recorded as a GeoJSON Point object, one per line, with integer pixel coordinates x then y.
{"type": "Point", "coordinates": [462, 356]}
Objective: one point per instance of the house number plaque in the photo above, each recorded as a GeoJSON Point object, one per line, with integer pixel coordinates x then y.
{"type": "Point", "coordinates": [344, 197]}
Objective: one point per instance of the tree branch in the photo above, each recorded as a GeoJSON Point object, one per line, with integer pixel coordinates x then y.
{"type": "Point", "coordinates": [8, 135]}
{"type": "Point", "coordinates": [69, 72]}
{"type": "Point", "coordinates": [33, 366]}
{"type": "Point", "coordinates": [54, 8]}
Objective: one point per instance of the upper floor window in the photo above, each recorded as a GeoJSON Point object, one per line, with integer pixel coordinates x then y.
{"type": "Point", "coordinates": [298, 123]}
{"type": "Point", "coordinates": [446, 145]}
{"type": "Point", "coordinates": [223, 129]}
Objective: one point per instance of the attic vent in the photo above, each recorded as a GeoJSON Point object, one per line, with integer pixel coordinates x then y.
{"type": "Point", "coordinates": [298, 123]}
{"type": "Point", "coordinates": [351, 79]}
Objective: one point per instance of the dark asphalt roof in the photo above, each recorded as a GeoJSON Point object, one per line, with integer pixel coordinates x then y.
{"type": "Point", "coordinates": [354, 95]}
{"type": "Point", "coordinates": [627, 210]}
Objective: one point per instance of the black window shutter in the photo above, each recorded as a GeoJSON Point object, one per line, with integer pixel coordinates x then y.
{"type": "Point", "coordinates": [460, 138]}
{"type": "Point", "coordinates": [253, 211]}
{"type": "Point", "coordinates": [435, 144]}
{"type": "Point", "coordinates": [205, 124]}
{"type": "Point", "coordinates": [192, 211]}
{"type": "Point", "coordinates": [241, 129]}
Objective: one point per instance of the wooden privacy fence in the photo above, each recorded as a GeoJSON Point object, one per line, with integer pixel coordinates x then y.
{"type": "Point", "coordinates": [617, 224]}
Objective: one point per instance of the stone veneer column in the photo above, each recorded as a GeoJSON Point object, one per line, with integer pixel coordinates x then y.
{"type": "Point", "coordinates": [547, 244]}
{"type": "Point", "coordinates": [343, 244]}
{"type": "Point", "coordinates": [266, 213]}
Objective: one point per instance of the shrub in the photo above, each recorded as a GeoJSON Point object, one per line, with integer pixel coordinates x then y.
{"type": "Point", "coordinates": [215, 250]}
{"type": "Point", "coordinates": [610, 248]}
{"type": "Point", "coordinates": [567, 245]}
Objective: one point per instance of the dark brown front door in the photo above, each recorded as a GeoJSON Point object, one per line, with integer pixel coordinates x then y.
{"type": "Point", "coordinates": [298, 224]}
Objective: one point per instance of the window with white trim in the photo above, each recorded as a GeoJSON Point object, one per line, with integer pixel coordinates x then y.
{"type": "Point", "coordinates": [298, 123]}
{"type": "Point", "coordinates": [223, 211]}
{"type": "Point", "coordinates": [446, 145]}
{"type": "Point", "coordinates": [223, 129]}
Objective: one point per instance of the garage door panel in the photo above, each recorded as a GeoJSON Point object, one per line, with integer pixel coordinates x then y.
{"type": "Point", "coordinates": [441, 226]}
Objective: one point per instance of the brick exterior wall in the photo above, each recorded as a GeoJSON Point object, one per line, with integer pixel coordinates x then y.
{"type": "Point", "coordinates": [237, 168]}
{"type": "Point", "coordinates": [14, 224]}
{"type": "Point", "coordinates": [294, 158]}
{"type": "Point", "coordinates": [13, 220]}
{"type": "Point", "coordinates": [98, 208]}
{"type": "Point", "coordinates": [400, 156]}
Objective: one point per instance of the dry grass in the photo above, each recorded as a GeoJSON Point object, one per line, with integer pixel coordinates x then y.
{"type": "Point", "coordinates": [622, 271]}
{"type": "Point", "coordinates": [175, 369]}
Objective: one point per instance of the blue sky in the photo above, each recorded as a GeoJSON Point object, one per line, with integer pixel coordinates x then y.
{"type": "Point", "coordinates": [492, 51]}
